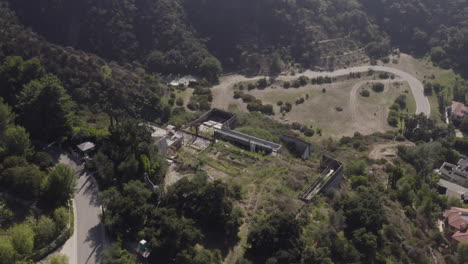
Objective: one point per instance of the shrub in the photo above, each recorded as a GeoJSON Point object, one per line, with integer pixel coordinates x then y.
{"type": "Point", "coordinates": [384, 75]}
{"type": "Point", "coordinates": [296, 126]}
{"type": "Point", "coordinates": [300, 101]}
{"type": "Point", "coordinates": [267, 109]}
{"type": "Point", "coordinates": [401, 101]}
{"type": "Point", "coordinates": [247, 98]}
{"type": "Point", "coordinates": [319, 131]}
{"type": "Point", "coordinates": [324, 90]}
{"type": "Point", "coordinates": [254, 106]}
{"type": "Point", "coordinates": [378, 87]}
{"type": "Point", "coordinates": [204, 105]}
{"type": "Point", "coordinates": [61, 216]}
{"type": "Point", "coordinates": [287, 107]}
{"type": "Point", "coordinates": [192, 106]}
{"type": "Point", "coordinates": [385, 60]}
{"type": "Point", "coordinates": [286, 85]}
{"type": "Point", "coordinates": [395, 107]}
{"type": "Point", "coordinates": [262, 83]}
{"type": "Point", "coordinates": [180, 101]}
{"type": "Point", "coordinates": [303, 80]}
{"type": "Point", "coordinates": [400, 138]}
{"type": "Point", "coordinates": [309, 132]}
{"type": "Point", "coordinates": [238, 94]}
{"type": "Point", "coordinates": [43, 160]}
{"type": "Point", "coordinates": [365, 93]}
{"type": "Point", "coordinates": [250, 86]}
{"type": "Point", "coordinates": [320, 80]}
{"type": "Point", "coordinates": [296, 84]}
{"type": "Point", "coordinates": [279, 103]}
{"type": "Point", "coordinates": [428, 89]}
{"type": "Point", "coordinates": [45, 231]}
{"type": "Point", "coordinates": [393, 118]}
{"type": "Point", "coordinates": [171, 101]}
{"type": "Point", "coordinates": [339, 109]}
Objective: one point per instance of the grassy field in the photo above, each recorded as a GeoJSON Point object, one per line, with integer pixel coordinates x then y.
{"type": "Point", "coordinates": [329, 106]}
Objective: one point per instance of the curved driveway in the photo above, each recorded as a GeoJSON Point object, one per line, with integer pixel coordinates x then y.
{"type": "Point", "coordinates": [422, 103]}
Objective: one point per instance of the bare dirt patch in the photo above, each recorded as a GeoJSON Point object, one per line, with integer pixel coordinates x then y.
{"type": "Point", "coordinates": [387, 151]}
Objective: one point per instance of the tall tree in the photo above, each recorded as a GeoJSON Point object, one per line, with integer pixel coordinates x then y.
{"type": "Point", "coordinates": [22, 238]}
{"type": "Point", "coordinates": [7, 252]}
{"type": "Point", "coordinates": [14, 73]}
{"type": "Point", "coordinates": [116, 255]}
{"type": "Point", "coordinates": [45, 109]}
{"type": "Point", "coordinates": [57, 259]}
{"type": "Point", "coordinates": [16, 141]}
{"type": "Point", "coordinates": [59, 185]}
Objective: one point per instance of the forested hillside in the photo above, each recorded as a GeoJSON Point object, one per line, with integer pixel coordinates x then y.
{"type": "Point", "coordinates": [93, 83]}
{"type": "Point", "coordinates": [421, 26]}
{"type": "Point", "coordinates": [179, 36]}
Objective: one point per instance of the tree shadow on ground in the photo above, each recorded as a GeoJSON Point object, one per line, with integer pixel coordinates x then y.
{"type": "Point", "coordinates": [95, 238]}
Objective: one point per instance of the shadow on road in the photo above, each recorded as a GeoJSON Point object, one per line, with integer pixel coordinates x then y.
{"type": "Point", "coordinates": [95, 239]}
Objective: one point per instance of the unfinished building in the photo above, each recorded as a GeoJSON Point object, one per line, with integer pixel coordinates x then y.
{"type": "Point", "coordinates": [217, 119]}
{"type": "Point", "coordinates": [331, 177]}
{"type": "Point", "coordinates": [166, 139]}
{"type": "Point", "coordinates": [298, 147]}
{"type": "Point", "coordinates": [246, 141]}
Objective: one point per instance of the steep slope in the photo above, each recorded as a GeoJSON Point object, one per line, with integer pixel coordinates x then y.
{"type": "Point", "coordinates": [174, 32]}
{"type": "Point", "coordinates": [419, 26]}
{"type": "Point", "coordinates": [90, 80]}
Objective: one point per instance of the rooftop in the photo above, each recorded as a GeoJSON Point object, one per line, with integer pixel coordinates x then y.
{"type": "Point", "coordinates": [176, 80]}
{"type": "Point", "coordinates": [457, 173]}
{"type": "Point", "coordinates": [453, 190]}
{"type": "Point", "coordinates": [459, 109]}
{"type": "Point", "coordinates": [86, 146]}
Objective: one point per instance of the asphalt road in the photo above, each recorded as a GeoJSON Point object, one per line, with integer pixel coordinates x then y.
{"type": "Point", "coordinates": [89, 240]}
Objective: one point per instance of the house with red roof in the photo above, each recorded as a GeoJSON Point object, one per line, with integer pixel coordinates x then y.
{"type": "Point", "coordinates": [456, 225]}
{"type": "Point", "coordinates": [458, 110]}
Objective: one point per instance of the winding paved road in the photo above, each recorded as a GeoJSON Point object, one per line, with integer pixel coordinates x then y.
{"type": "Point", "coordinates": [222, 94]}
{"type": "Point", "coordinates": [88, 240]}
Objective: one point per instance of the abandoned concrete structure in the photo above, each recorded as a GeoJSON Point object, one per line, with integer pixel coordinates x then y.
{"type": "Point", "coordinates": [455, 173]}
{"type": "Point", "coordinates": [331, 177]}
{"type": "Point", "coordinates": [166, 138]}
{"type": "Point", "coordinates": [213, 116]}
{"type": "Point", "coordinates": [243, 140]}
{"type": "Point", "coordinates": [297, 146]}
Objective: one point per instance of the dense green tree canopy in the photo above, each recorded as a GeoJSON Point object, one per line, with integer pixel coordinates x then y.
{"type": "Point", "coordinates": [22, 238]}
{"type": "Point", "coordinates": [59, 185]}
